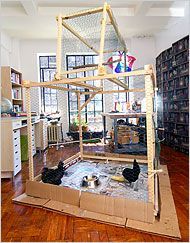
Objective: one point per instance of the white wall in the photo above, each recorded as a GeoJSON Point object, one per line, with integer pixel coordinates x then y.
{"type": "Point", "coordinates": [10, 51]}
{"type": "Point", "coordinates": [29, 64]}
{"type": "Point", "coordinates": [173, 33]}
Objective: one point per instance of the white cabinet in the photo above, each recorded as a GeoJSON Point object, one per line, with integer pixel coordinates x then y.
{"type": "Point", "coordinates": [10, 148]}
{"type": "Point", "coordinates": [11, 129]}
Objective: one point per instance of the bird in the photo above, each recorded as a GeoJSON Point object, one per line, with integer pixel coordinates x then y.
{"type": "Point", "coordinates": [53, 176]}
{"type": "Point", "coordinates": [131, 175]}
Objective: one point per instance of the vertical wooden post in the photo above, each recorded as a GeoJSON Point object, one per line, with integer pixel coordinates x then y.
{"type": "Point", "coordinates": [80, 125]}
{"type": "Point", "coordinates": [59, 47]}
{"type": "Point", "coordinates": [126, 78]}
{"type": "Point", "coordinates": [102, 39]}
{"type": "Point", "coordinates": [29, 133]}
{"type": "Point", "coordinates": [149, 92]}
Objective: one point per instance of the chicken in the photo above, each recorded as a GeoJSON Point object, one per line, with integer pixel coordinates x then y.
{"type": "Point", "coordinates": [131, 175]}
{"type": "Point", "coordinates": [53, 176]}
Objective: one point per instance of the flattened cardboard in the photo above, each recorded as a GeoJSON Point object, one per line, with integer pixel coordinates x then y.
{"type": "Point", "coordinates": [115, 206]}
{"type": "Point", "coordinates": [168, 222]}
{"type": "Point", "coordinates": [53, 192]}
{"type": "Point", "coordinates": [167, 225]}
{"type": "Point", "coordinates": [63, 207]}
{"type": "Point", "coordinates": [78, 212]}
{"type": "Point", "coordinates": [28, 200]}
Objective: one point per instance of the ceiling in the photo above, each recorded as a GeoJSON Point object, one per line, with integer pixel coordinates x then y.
{"type": "Point", "coordinates": [35, 19]}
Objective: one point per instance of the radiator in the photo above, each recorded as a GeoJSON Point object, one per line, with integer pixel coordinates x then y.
{"type": "Point", "coordinates": [54, 133]}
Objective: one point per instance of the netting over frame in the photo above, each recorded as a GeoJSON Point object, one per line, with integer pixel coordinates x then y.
{"type": "Point", "coordinates": [82, 34]}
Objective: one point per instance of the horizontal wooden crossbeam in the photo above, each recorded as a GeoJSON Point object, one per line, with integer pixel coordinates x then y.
{"type": "Point", "coordinates": [83, 79]}
{"type": "Point", "coordinates": [114, 91]}
{"type": "Point", "coordinates": [83, 13]}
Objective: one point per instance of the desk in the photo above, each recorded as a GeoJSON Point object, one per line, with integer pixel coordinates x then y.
{"type": "Point", "coordinates": [11, 129]}
{"type": "Point", "coordinates": [131, 148]}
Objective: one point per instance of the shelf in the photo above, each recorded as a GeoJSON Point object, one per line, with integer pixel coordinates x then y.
{"type": "Point", "coordinates": [176, 111]}
{"type": "Point", "coordinates": [177, 123]}
{"type": "Point", "coordinates": [175, 54]}
{"type": "Point", "coordinates": [166, 101]}
{"type": "Point", "coordinates": [179, 135]}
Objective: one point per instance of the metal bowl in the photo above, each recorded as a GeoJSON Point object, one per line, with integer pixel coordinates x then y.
{"type": "Point", "coordinates": [90, 181]}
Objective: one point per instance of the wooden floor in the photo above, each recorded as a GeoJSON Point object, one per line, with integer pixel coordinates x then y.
{"type": "Point", "coordinates": [28, 224]}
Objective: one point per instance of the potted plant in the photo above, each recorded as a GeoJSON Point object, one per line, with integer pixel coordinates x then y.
{"type": "Point", "coordinates": [84, 126]}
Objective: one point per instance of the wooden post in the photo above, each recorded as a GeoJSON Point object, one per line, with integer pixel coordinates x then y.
{"type": "Point", "coordinates": [59, 43]}
{"type": "Point", "coordinates": [102, 39]}
{"type": "Point", "coordinates": [149, 92]}
{"type": "Point", "coordinates": [80, 126]}
{"type": "Point", "coordinates": [29, 132]}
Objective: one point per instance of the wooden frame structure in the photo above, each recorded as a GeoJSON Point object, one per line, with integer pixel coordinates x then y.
{"type": "Point", "coordinates": [147, 72]}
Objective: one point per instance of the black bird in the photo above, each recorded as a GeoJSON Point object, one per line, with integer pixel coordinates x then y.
{"type": "Point", "coordinates": [132, 175]}
{"type": "Point", "coordinates": [53, 176]}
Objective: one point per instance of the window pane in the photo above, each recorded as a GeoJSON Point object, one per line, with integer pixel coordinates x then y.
{"type": "Point", "coordinates": [46, 75]}
{"type": "Point", "coordinates": [88, 60]}
{"type": "Point", "coordinates": [54, 99]}
{"type": "Point", "coordinates": [73, 96]}
{"type": "Point", "coordinates": [71, 61]}
{"type": "Point", "coordinates": [47, 100]}
{"type": "Point", "coordinates": [47, 90]}
{"type": "Point", "coordinates": [52, 61]}
{"type": "Point", "coordinates": [98, 105]}
{"type": "Point", "coordinates": [79, 60]}
{"type": "Point", "coordinates": [73, 106]}
{"type": "Point", "coordinates": [90, 106]}
{"type": "Point", "coordinates": [98, 97]}
{"type": "Point", "coordinates": [44, 62]}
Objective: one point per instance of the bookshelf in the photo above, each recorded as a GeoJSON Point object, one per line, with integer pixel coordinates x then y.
{"type": "Point", "coordinates": [11, 82]}
{"type": "Point", "coordinates": [172, 72]}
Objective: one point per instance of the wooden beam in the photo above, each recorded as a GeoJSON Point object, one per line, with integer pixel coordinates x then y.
{"type": "Point", "coordinates": [87, 86]}
{"type": "Point", "coordinates": [96, 65]}
{"type": "Point", "coordinates": [80, 126]}
{"type": "Point", "coordinates": [93, 78]}
{"type": "Point", "coordinates": [87, 101]}
{"type": "Point", "coordinates": [102, 38]}
{"type": "Point", "coordinates": [59, 46]}
{"type": "Point", "coordinates": [114, 91]}
{"type": "Point", "coordinates": [118, 82]}
{"type": "Point", "coordinates": [113, 22]}
{"type": "Point", "coordinates": [79, 69]}
{"type": "Point", "coordinates": [60, 88]}
{"type": "Point", "coordinates": [79, 36]}
{"type": "Point", "coordinates": [89, 156]}
{"type": "Point", "coordinates": [83, 13]}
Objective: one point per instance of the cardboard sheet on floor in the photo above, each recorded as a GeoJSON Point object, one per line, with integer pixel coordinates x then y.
{"type": "Point", "coordinates": [168, 223]}
{"type": "Point", "coordinates": [28, 200]}
{"type": "Point", "coordinates": [78, 212]}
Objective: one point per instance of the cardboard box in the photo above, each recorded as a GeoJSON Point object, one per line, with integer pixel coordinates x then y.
{"type": "Point", "coordinates": [135, 139]}
{"type": "Point", "coordinates": [124, 140]}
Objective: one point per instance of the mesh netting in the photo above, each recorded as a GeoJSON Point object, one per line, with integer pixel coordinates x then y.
{"type": "Point", "coordinates": [88, 27]}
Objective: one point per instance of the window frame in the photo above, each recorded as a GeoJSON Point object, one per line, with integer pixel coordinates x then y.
{"type": "Point", "coordinates": [41, 79]}
{"type": "Point", "coordinates": [94, 100]}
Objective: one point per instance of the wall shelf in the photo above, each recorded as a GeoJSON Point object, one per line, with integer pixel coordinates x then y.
{"type": "Point", "coordinates": [172, 70]}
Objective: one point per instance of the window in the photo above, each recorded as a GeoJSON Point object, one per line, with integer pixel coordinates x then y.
{"type": "Point", "coordinates": [47, 65]}
{"type": "Point", "coordinates": [92, 112]}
